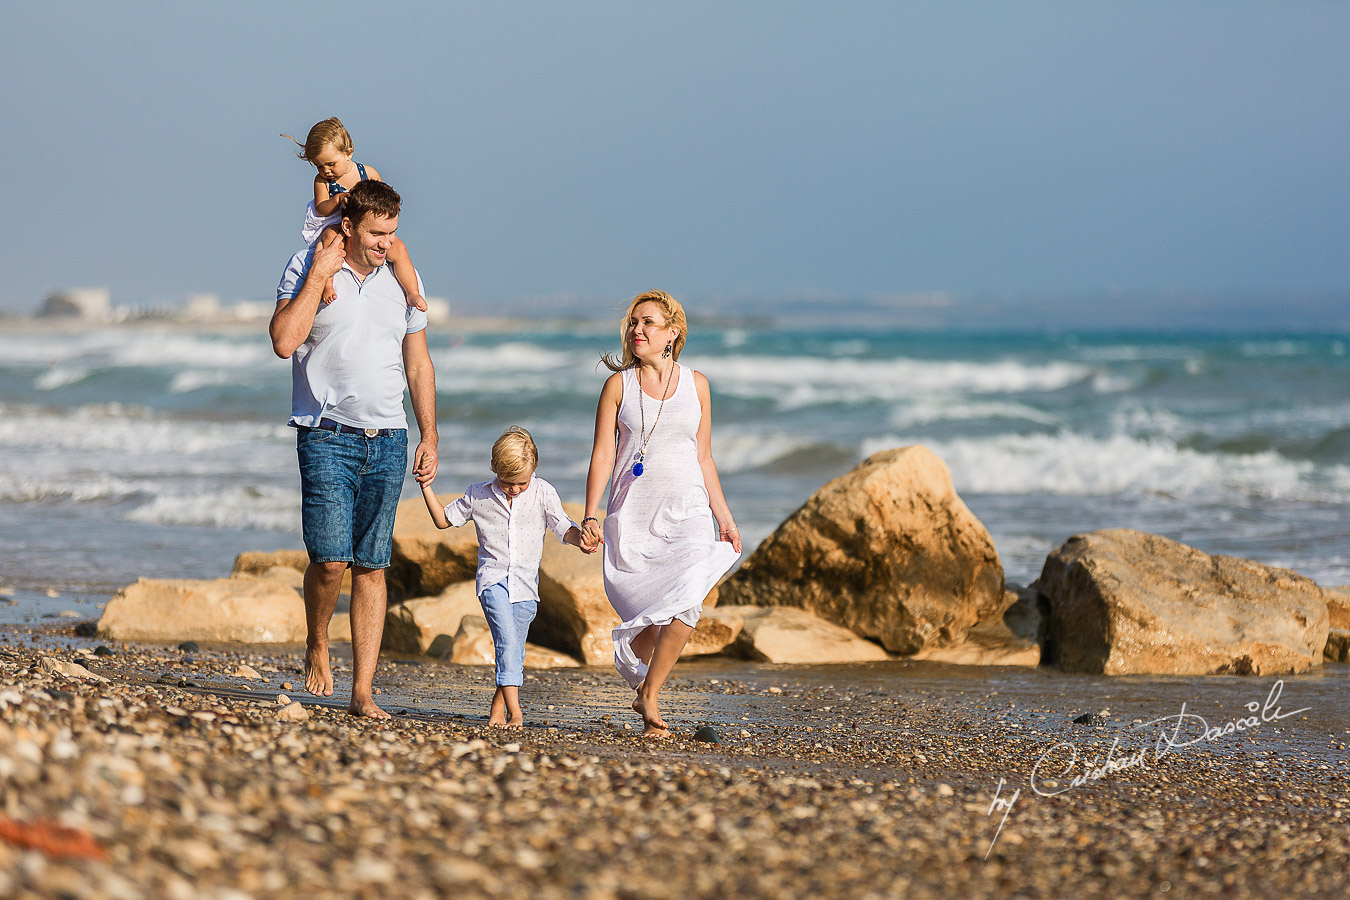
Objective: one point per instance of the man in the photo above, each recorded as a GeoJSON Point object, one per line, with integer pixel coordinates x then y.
{"type": "Point", "coordinates": [349, 362]}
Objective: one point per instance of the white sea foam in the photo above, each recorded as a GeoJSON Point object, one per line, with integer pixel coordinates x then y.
{"type": "Point", "coordinates": [189, 380]}
{"type": "Point", "coordinates": [266, 508]}
{"type": "Point", "coordinates": [804, 381]}
{"type": "Point", "coordinates": [948, 409]}
{"type": "Point", "coordinates": [120, 428]}
{"type": "Point", "coordinates": [1075, 464]}
{"type": "Point", "coordinates": [739, 451]}
{"type": "Point", "coordinates": [59, 377]}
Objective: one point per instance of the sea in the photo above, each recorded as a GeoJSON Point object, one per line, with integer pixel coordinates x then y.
{"type": "Point", "coordinates": [162, 450]}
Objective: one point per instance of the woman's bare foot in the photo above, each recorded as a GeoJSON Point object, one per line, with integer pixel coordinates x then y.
{"type": "Point", "coordinates": [318, 674]}
{"type": "Point", "coordinates": [366, 708]}
{"type": "Point", "coordinates": [652, 723]}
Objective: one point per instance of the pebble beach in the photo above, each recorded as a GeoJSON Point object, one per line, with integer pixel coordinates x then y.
{"type": "Point", "coordinates": [183, 775]}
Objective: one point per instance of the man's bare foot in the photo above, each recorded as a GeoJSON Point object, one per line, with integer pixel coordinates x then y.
{"type": "Point", "coordinates": [368, 709]}
{"type": "Point", "coordinates": [318, 674]}
{"type": "Point", "coordinates": [652, 723]}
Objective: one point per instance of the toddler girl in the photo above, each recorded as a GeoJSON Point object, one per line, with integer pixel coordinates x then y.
{"type": "Point", "coordinates": [328, 147]}
{"type": "Point", "coordinates": [510, 513]}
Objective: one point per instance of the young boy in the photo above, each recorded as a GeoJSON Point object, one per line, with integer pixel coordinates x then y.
{"type": "Point", "coordinates": [510, 513]}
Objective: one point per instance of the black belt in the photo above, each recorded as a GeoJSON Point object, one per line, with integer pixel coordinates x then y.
{"type": "Point", "coordinates": [330, 425]}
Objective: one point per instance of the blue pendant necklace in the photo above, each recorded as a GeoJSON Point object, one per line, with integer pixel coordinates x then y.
{"type": "Point", "coordinates": [643, 433]}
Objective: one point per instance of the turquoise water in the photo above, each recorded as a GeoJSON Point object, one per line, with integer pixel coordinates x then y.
{"type": "Point", "coordinates": [162, 452]}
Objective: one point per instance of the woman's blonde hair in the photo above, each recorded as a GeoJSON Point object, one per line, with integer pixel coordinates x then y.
{"type": "Point", "coordinates": [329, 131]}
{"type": "Point", "coordinates": [514, 453]}
{"type": "Point", "coordinates": [670, 308]}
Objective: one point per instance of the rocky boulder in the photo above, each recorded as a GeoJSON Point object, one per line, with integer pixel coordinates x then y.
{"type": "Point", "coordinates": [1338, 606]}
{"type": "Point", "coordinates": [426, 560]}
{"type": "Point", "coordinates": [472, 646]}
{"type": "Point", "coordinates": [786, 635]}
{"type": "Point", "coordinates": [1123, 602]}
{"type": "Point", "coordinates": [1338, 646]}
{"type": "Point", "coordinates": [888, 551]}
{"type": "Point", "coordinates": [275, 563]}
{"type": "Point", "coordinates": [717, 630]}
{"type": "Point", "coordinates": [411, 627]}
{"type": "Point", "coordinates": [243, 609]}
{"type": "Point", "coordinates": [574, 614]}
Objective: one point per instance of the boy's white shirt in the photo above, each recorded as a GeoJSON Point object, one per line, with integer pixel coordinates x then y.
{"type": "Point", "coordinates": [510, 535]}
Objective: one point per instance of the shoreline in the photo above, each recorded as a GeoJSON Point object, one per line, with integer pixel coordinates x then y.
{"type": "Point", "coordinates": [850, 781]}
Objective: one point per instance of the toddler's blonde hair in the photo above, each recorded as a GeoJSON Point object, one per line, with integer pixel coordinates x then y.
{"type": "Point", "coordinates": [514, 453]}
{"type": "Point", "coordinates": [670, 308]}
{"type": "Point", "coordinates": [329, 131]}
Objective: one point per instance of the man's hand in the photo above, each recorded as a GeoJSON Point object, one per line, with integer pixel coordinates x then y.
{"type": "Point", "coordinates": [424, 462]}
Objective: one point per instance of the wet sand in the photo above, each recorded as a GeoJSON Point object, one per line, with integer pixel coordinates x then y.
{"type": "Point", "coordinates": [175, 779]}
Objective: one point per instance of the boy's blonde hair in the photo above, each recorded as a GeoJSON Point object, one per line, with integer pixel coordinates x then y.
{"type": "Point", "coordinates": [329, 131]}
{"type": "Point", "coordinates": [670, 308]}
{"type": "Point", "coordinates": [514, 453]}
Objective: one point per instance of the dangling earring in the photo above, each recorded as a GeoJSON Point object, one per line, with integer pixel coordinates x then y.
{"type": "Point", "coordinates": [665, 354]}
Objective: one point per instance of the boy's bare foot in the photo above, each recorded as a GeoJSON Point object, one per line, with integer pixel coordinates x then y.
{"type": "Point", "coordinates": [318, 675]}
{"type": "Point", "coordinates": [497, 714]}
{"type": "Point", "coordinates": [417, 301]}
{"type": "Point", "coordinates": [652, 723]}
{"type": "Point", "coordinates": [515, 723]}
{"type": "Point", "coordinates": [496, 720]}
{"type": "Point", "coordinates": [329, 292]}
{"type": "Point", "coordinates": [368, 709]}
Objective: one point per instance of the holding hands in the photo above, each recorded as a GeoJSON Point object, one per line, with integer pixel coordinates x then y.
{"type": "Point", "coordinates": [591, 534]}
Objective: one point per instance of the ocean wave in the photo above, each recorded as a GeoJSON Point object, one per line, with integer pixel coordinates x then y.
{"type": "Point", "coordinates": [139, 348]}
{"type": "Point", "coordinates": [113, 427]}
{"type": "Point", "coordinates": [262, 508]}
{"type": "Point", "coordinates": [951, 409]}
{"type": "Point", "coordinates": [81, 487]}
{"type": "Point", "coordinates": [741, 452]}
{"type": "Point", "coordinates": [805, 381]}
{"type": "Point", "coordinates": [59, 377]}
{"type": "Point", "coordinates": [1079, 465]}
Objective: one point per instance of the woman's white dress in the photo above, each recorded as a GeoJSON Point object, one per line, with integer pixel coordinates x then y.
{"type": "Point", "coordinates": [662, 555]}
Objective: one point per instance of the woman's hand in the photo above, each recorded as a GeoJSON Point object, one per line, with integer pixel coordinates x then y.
{"type": "Point", "coordinates": [727, 531]}
{"type": "Point", "coordinates": [592, 535]}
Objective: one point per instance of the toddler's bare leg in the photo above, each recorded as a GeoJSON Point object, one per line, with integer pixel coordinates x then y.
{"type": "Point", "coordinates": [514, 717]}
{"type": "Point", "coordinates": [406, 274]}
{"type": "Point", "coordinates": [331, 235]}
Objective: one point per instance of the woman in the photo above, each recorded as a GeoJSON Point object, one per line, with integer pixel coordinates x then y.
{"type": "Point", "coordinates": [668, 533]}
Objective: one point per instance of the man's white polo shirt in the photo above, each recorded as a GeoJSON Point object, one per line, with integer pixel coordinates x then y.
{"type": "Point", "coordinates": [510, 535]}
{"type": "Point", "coordinates": [350, 367]}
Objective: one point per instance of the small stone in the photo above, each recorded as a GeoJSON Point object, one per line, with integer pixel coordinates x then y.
{"type": "Point", "coordinates": [52, 666]}
{"type": "Point", "coordinates": [293, 712]}
{"type": "Point", "coordinates": [68, 614]}
{"type": "Point", "coordinates": [1094, 720]}
{"type": "Point", "coordinates": [945, 790]}
{"type": "Point", "coordinates": [53, 592]}
{"type": "Point", "coordinates": [775, 690]}
{"type": "Point", "coordinates": [189, 647]}
{"type": "Point", "coordinates": [86, 629]}
{"type": "Point", "coordinates": [246, 671]}
{"type": "Point", "coordinates": [282, 700]}
{"type": "Point", "coordinates": [287, 686]}
{"type": "Point", "coordinates": [708, 734]}
{"type": "Point", "coordinates": [101, 650]}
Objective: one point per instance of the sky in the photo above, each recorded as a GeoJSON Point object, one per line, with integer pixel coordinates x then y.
{"type": "Point", "coordinates": [579, 151]}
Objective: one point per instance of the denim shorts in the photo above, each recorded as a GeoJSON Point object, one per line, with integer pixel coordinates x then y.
{"type": "Point", "coordinates": [350, 485]}
{"type": "Point", "coordinates": [510, 626]}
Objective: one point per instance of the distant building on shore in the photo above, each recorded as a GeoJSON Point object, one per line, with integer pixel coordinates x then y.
{"type": "Point", "coordinates": [86, 304]}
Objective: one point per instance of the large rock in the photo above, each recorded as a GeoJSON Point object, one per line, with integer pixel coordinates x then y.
{"type": "Point", "coordinates": [987, 644]}
{"type": "Point", "coordinates": [426, 560]}
{"type": "Point", "coordinates": [785, 635]}
{"type": "Point", "coordinates": [1338, 646]}
{"type": "Point", "coordinates": [473, 647]}
{"type": "Point", "coordinates": [1338, 606]}
{"type": "Point", "coordinates": [269, 564]}
{"type": "Point", "coordinates": [888, 551]}
{"type": "Point", "coordinates": [574, 613]}
{"type": "Point", "coordinates": [411, 627]}
{"type": "Point", "coordinates": [717, 630]}
{"type": "Point", "coordinates": [244, 609]}
{"type": "Point", "coordinates": [1123, 602]}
